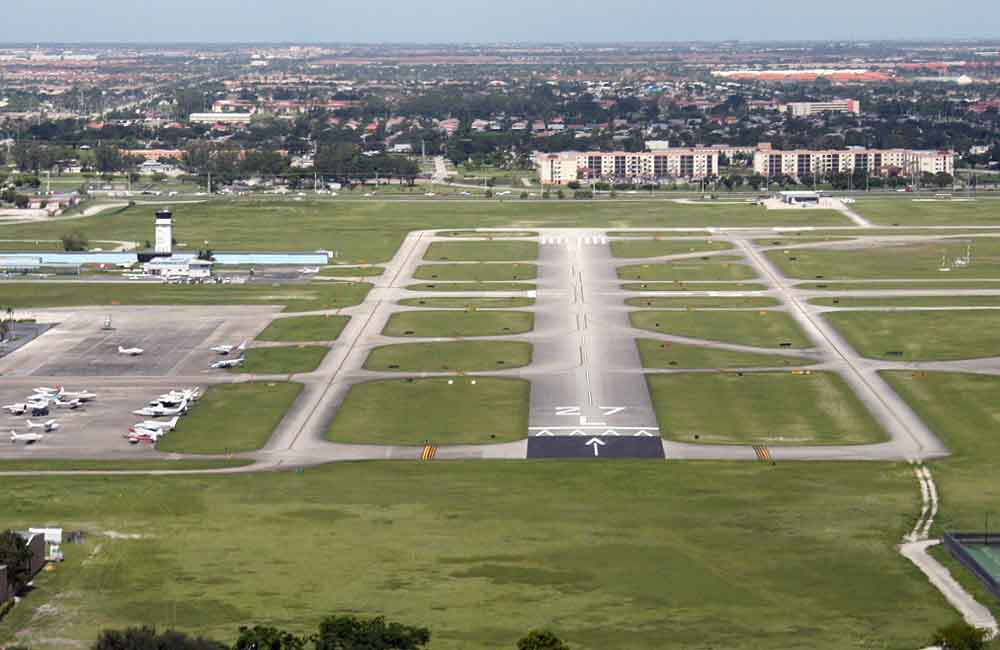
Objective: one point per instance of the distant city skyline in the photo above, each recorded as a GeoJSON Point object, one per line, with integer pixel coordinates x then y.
{"type": "Point", "coordinates": [447, 21]}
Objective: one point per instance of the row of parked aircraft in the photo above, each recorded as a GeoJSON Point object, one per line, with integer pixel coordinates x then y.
{"type": "Point", "coordinates": [169, 405]}
{"type": "Point", "coordinates": [38, 404]}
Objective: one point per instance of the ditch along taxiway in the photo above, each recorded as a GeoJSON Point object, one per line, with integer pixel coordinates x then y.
{"type": "Point", "coordinates": [589, 396]}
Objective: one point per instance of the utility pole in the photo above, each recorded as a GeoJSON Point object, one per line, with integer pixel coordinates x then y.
{"type": "Point", "coordinates": [210, 183]}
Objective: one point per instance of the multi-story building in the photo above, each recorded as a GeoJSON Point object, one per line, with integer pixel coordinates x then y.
{"type": "Point", "coordinates": [645, 166]}
{"type": "Point", "coordinates": [876, 162]}
{"type": "Point", "coordinates": [806, 109]}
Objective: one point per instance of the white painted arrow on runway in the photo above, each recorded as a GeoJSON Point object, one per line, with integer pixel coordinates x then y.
{"type": "Point", "coordinates": [610, 432]}
{"type": "Point", "coordinates": [577, 432]}
{"type": "Point", "coordinates": [645, 434]}
{"type": "Point", "coordinates": [543, 432]}
{"type": "Point", "coordinates": [597, 443]}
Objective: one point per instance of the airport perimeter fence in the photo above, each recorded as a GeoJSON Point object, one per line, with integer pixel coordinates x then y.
{"type": "Point", "coordinates": [954, 543]}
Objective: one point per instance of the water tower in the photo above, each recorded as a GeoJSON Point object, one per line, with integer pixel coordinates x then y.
{"type": "Point", "coordinates": [164, 232]}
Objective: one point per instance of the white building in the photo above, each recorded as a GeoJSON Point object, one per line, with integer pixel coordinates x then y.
{"type": "Point", "coordinates": [807, 109]}
{"type": "Point", "coordinates": [182, 268]}
{"type": "Point", "coordinates": [876, 162]}
{"type": "Point", "coordinates": [644, 166]}
{"type": "Point", "coordinates": [220, 118]}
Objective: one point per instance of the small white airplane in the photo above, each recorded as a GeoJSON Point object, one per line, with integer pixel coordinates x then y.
{"type": "Point", "coordinates": [162, 411]}
{"type": "Point", "coordinates": [48, 426]}
{"type": "Point", "coordinates": [131, 352]}
{"type": "Point", "coordinates": [26, 438]}
{"type": "Point", "coordinates": [72, 404]}
{"type": "Point", "coordinates": [309, 270]}
{"type": "Point", "coordinates": [153, 425]}
{"type": "Point", "coordinates": [82, 395]}
{"type": "Point", "coordinates": [226, 349]}
{"type": "Point", "coordinates": [228, 363]}
{"type": "Point", "coordinates": [36, 408]}
{"type": "Point", "coordinates": [143, 435]}
{"type": "Point", "coordinates": [47, 390]}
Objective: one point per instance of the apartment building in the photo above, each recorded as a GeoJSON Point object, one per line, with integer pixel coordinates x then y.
{"type": "Point", "coordinates": [877, 162]}
{"type": "Point", "coordinates": [569, 166]}
{"type": "Point", "coordinates": [807, 109]}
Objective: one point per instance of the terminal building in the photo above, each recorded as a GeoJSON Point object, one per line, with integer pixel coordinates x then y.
{"type": "Point", "coordinates": [643, 166]}
{"type": "Point", "coordinates": [875, 162]}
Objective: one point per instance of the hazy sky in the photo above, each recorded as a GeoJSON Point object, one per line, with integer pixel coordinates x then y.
{"type": "Point", "coordinates": [493, 20]}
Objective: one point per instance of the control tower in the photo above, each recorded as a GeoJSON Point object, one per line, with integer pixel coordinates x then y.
{"type": "Point", "coordinates": [164, 233]}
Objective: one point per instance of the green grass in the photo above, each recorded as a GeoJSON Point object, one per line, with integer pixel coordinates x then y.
{"type": "Point", "coordinates": [351, 271]}
{"type": "Point", "coordinates": [801, 239]}
{"type": "Point", "coordinates": [714, 269]}
{"type": "Point", "coordinates": [696, 302]}
{"type": "Point", "coordinates": [232, 418]}
{"type": "Point", "coordinates": [81, 465]}
{"type": "Point", "coordinates": [659, 247]}
{"type": "Point", "coordinates": [482, 251]}
{"type": "Point", "coordinates": [908, 212]}
{"type": "Point", "coordinates": [488, 235]}
{"type": "Point", "coordinates": [920, 335]}
{"type": "Point", "coordinates": [762, 408]}
{"type": "Point", "coordinates": [914, 284]}
{"type": "Point", "coordinates": [704, 555]}
{"type": "Point", "coordinates": [459, 323]}
{"type": "Point", "coordinates": [693, 286]}
{"type": "Point", "coordinates": [282, 360]}
{"type": "Point", "coordinates": [663, 354]}
{"type": "Point", "coordinates": [499, 272]}
{"type": "Point", "coordinates": [766, 330]}
{"type": "Point", "coordinates": [467, 303]}
{"type": "Point", "coordinates": [459, 356]}
{"type": "Point", "coordinates": [305, 328]}
{"type": "Point", "coordinates": [910, 301]}
{"type": "Point", "coordinates": [371, 230]}
{"type": "Point", "coordinates": [921, 260]}
{"type": "Point", "coordinates": [295, 297]}
{"type": "Point", "coordinates": [963, 410]}
{"type": "Point", "coordinates": [440, 411]}
{"type": "Point", "coordinates": [472, 287]}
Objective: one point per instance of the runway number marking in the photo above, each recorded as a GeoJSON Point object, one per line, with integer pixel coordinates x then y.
{"type": "Point", "coordinates": [611, 410]}
{"type": "Point", "coordinates": [567, 410]}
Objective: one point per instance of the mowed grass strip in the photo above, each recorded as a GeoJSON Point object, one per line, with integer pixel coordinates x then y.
{"type": "Point", "coordinates": [467, 303]}
{"type": "Point", "coordinates": [295, 297]}
{"type": "Point", "coordinates": [232, 418]}
{"type": "Point", "coordinates": [458, 356]}
{"type": "Point", "coordinates": [765, 329]}
{"type": "Point", "coordinates": [963, 409]}
{"type": "Point", "coordinates": [920, 335]}
{"type": "Point", "coordinates": [351, 271]}
{"type": "Point", "coordinates": [879, 285]}
{"type": "Point", "coordinates": [761, 408]}
{"type": "Point", "coordinates": [459, 323]}
{"type": "Point", "coordinates": [471, 287]}
{"type": "Point", "coordinates": [83, 465]}
{"type": "Point", "coordinates": [473, 272]}
{"type": "Point", "coordinates": [713, 269]}
{"type": "Point", "coordinates": [659, 247]}
{"type": "Point", "coordinates": [287, 360]}
{"type": "Point", "coordinates": [305, 328]}
{"type": "Point", "coordinates": [475, 551]}
{"type": "Point", "coordinates": [890, 302]}
{"type": "Point", "coordinates": [664, 354]}
{"type": "Point", "coordinates": [487, 234]}
{"type": "Point", "coordinates": [482, 251]}
{"type": "Point", "coordinates": [922, 260]}
{"type": "Point", "coordinates": [681, 285]}
{"type": "Point", "coordinates": [910, 212]}
{"type": "Point", "coordinates": [441, 411]}
{"type": "Point", "coordinates": [700, 302]}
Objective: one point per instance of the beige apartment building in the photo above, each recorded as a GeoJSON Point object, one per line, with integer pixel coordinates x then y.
{"type": "Point", "coordinates": [808, 109]}
{"type": "Point", "coordinates": [644, 166]}
{"type": "Point", "coordinates": [877, 162]}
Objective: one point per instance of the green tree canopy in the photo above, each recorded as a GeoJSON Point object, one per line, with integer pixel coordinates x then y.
{"type": "Point", "coordinates": [353, 633]}
{"type": "Point", "coordinates": [541, 640]}
{"type": "Point", "coordinates": [14, 553]}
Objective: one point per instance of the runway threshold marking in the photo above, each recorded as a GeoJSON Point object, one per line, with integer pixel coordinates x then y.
{"type": "Point", "coordinates": [430, 451]}
{"type": "Point", "coordinates": [763, 453]}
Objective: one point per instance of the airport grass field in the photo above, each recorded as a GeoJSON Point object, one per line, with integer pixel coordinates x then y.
{"type": "Point", "coordinates": [232, 418]}
{"type": "Point", "coordinates": [475, 287]}
{"type": "Point", "coordinates": [295, 297]}
{"type": "Point", "coordinates": [453, 356]}
{"type": "Point", "coordinates": [920, 335]}
{"type": "Point", "coordinates": [659, 247]}
{"type": "Point", "coordinates": [440, 411]}
{"type": "Point", "coordinates": [467, 303]}
{"type": "Point", "coordinates": [928, 212]}
{"type": "Point", "coordinates": [697, 302]}
{"type": "Point", "coordinates": [713, 269]}
{"type": "Point", "coordinates": [305, 328]}
{"type": "Point", "coordinates": [663, 354]}
{"type": "Point", "coordinates": [480, 552]}
{"type": "Point", "coordinates": [284, 360]}
{"type": "Point", "coordinates": [477, 272]}
{"type": "Point", "coordinates": [761, 408]}
{"type": "Point", "coordinates": [459, 323]}
{"type": "Point", "coordinates": [766, 329]}
{"type": "Point", "coordinates": [482, 251]}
